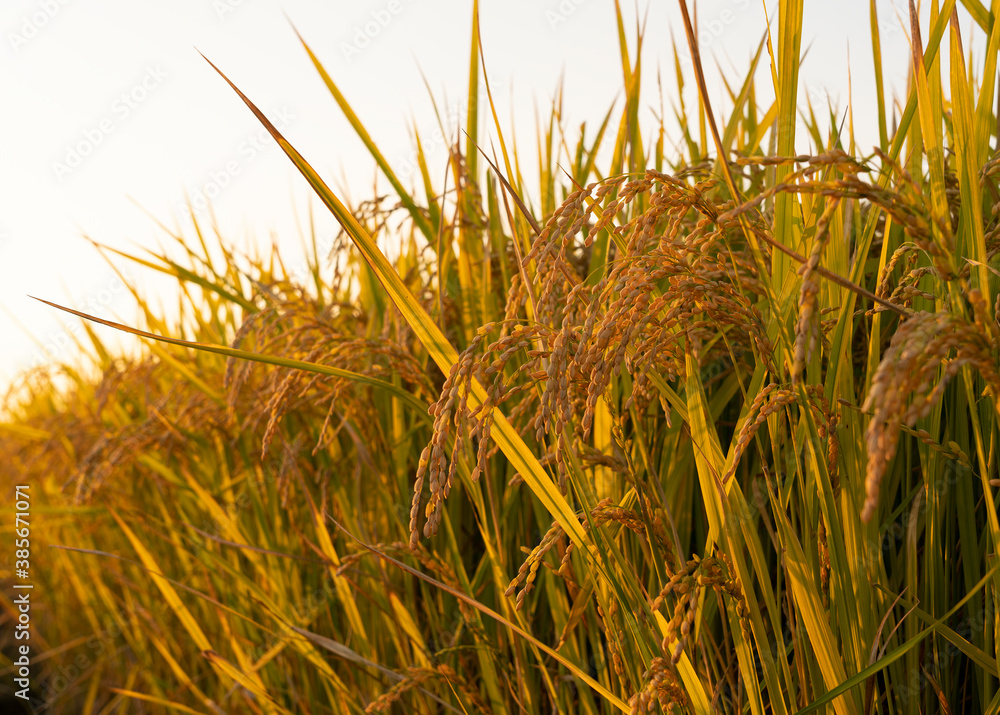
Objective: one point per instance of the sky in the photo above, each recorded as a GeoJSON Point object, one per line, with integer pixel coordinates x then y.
{"type": "Point", "coordinates": [113, 120]}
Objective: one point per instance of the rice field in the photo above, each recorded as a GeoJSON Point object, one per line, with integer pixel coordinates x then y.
{"type": "Point", "coordinates": [693, 430]}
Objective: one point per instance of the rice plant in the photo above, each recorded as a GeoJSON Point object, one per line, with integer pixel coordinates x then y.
{"type": "Point", "coordinates": [712, 431]}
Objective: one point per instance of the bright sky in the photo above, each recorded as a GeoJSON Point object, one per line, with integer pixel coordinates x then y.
{"type": "Point", "coordinates": [110, 112]}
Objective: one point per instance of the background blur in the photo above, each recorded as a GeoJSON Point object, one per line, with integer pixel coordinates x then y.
{"type": "Point", "coordinates": [112, 120]}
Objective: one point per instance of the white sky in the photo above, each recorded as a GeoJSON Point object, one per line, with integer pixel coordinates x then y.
{"type": "Point", "coordinates": [123, 80]}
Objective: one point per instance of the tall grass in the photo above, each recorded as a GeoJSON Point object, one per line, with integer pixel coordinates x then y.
{"type": "Point", "coordinates": [707, 432]}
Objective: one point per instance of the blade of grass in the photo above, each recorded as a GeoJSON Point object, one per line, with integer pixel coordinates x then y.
{"type": "Point", "coordinates": [415, 213]}
{"type": "Point", "coordinates": [486, 610]}
{"type": "Point", "coordinates": [430, 335]}
{"type": "Point", "coordinates": [396, 391]}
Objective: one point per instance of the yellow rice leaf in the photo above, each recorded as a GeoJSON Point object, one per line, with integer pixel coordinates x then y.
{"type": "Point", "coordinates": [810, 608]}
{"type": "Point", "coordinates": [252, 684]}
{"type": "Point", "coordinates": [406, 622]}
{"type": "Point", "coordinates": [574, 669]}
{"type": "Point", "coordinates": [427, 331]}
{"type": "Point", "coordinates": [692, 683]}
{"type": "Point", "coordinates": [708, 455]}
{"type": "Point", "coordinates": [173, 600]}
{"type": "Point", "coordinates": [341, 584]}
{"type": "Point", "coordinates": [256, 357]}
{"type": "Point", "coordinates": [169, 704]}
{"type": "Point", "coordinates": [179, 672]}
